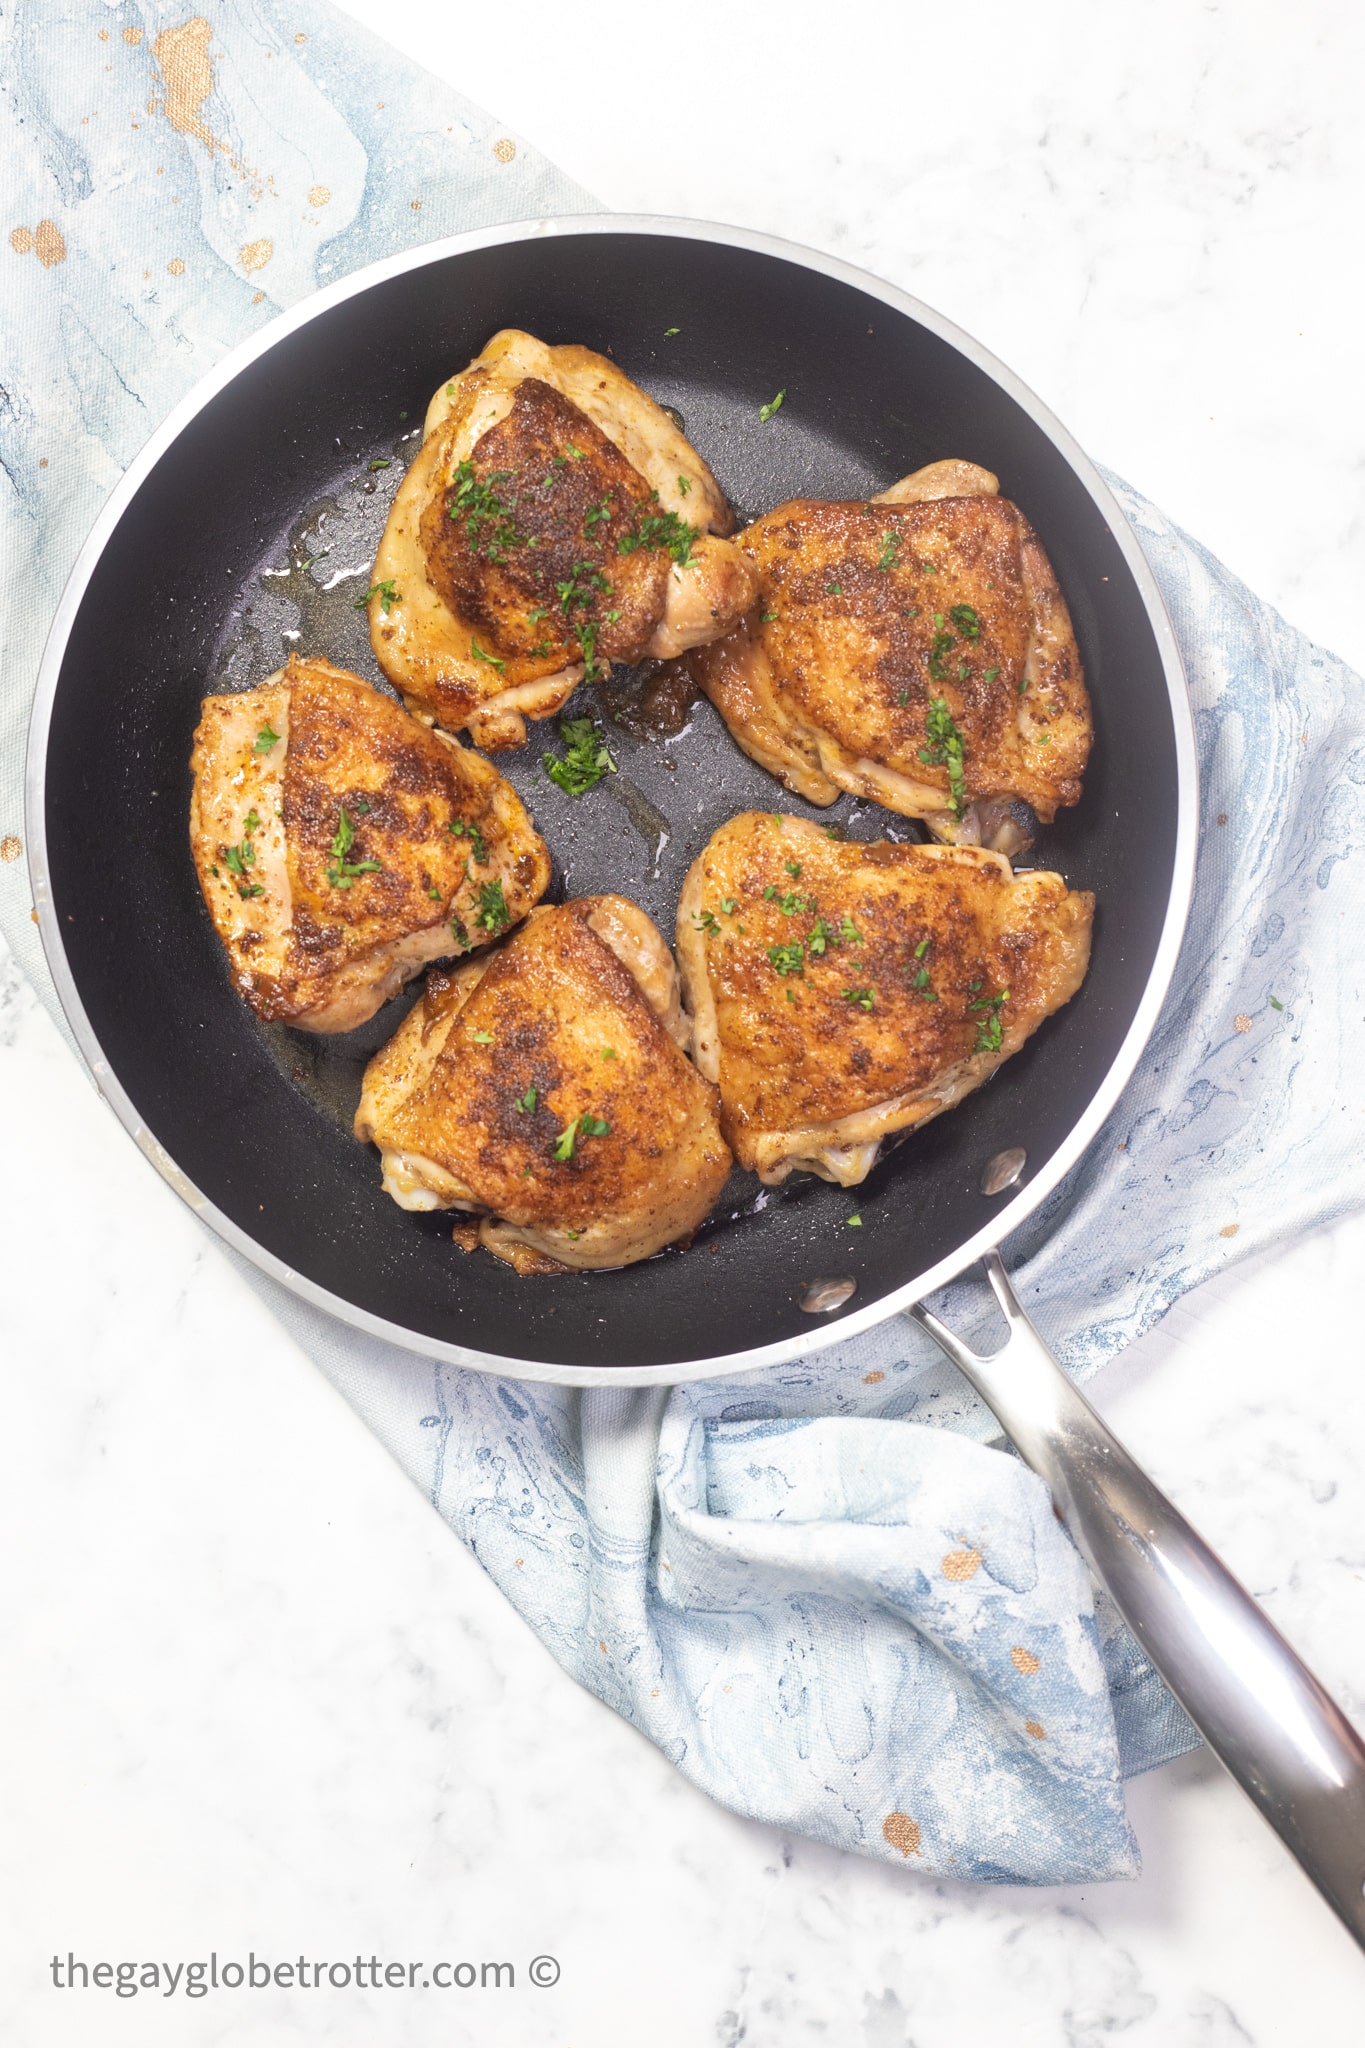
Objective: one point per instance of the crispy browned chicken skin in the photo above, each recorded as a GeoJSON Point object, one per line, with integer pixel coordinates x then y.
{"type": "Point", "coordinates": [842, 993]}
{"type": "Point", "coordinates": [914, 648]}
{"type": "Point", "coordinates": [554, 520]}
{"type": "Point", "coordinates": [341, 846]}
{"type": "Point", "coordinates": [545, 1091]}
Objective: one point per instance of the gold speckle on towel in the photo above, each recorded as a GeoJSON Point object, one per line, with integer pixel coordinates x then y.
{"type": "Point", "coordinates": [132, 36]}
{"type": "Point", "coordinates": [961, 1564]}
{"type": "Point", "coordinates": [1023, 1660]}
{"type": "Point", "coordinates": [176, 267]}
{"type": "Point", "coordinates": [47, 240]}
{"type": "Point", "coordinates": [21, 240]}
{"type": "Point", "coordinates": [903, 1834]}
{"type": "Point", "coordinates": [255, 255]}
{"type": "Point", "coordinates": [504, 149]}
{"type": "Point", "coordinates": [318, 195]}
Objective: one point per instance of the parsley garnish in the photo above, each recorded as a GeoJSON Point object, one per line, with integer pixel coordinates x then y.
{"type": "Point", "coordinates": [1275, 1003]}
{"type": "Point", "coordinates": [767, 617]}
{"type": "Point", "coordinates": [576, 593]}
{"type": "Point", "coordinates": [765, 412]}
{"type": "Point", "coordinates": [920, 980]}
{"type": "Point", "coordinates": [865, 998]}
{"type": "Point", "coordinates": [493, 660]}
{"type": "Point", "coordinates": [792, 905]}
{"type": "Point", "coordinates": [848, 931]}
{"type": "Point", "coordinates": [581, 1127]}
{"type": "Point", "coordinates": [945, 748]}
{"type": "Point", "coordinates": [671, 330]}
{"type": "Point", "coordinates": [386, 592]}
{"type": "Point", "coordinates": [943, 644]}
{"type": "Point", "coordinates": [341, 873]}
{"type": "Point", "coordinates": [577, 453]}
{"type": "Point", "coordinates": [660, 530]}
{"type": "Point", "coordinates": [820, 938]}
{"type": "Point", "coordinates": [707, 921]}
{"type": "Point", "coordinates": [492, 912]}
{"type": "Point", "coordinates": [382, 462]}
{"type": "Point", "coordinates": [788, 959]}
{"type": "Point", "coordinates": [966, 621]}
{"type": "Point", "coordinates": [586, 758]}
{"type": "Point", "coordinates": [854, 1222]}
{"type": "Point", "coordinates": [891, 547]}
{"type": "Point", "coordinates": [237, 859]}
{"type": "Point", "coordinates": [460, 934]}
{"type": "Point", "coordinates": [526, 1103]}
{"type": "Point", "coordinates": [793, 868]}
{"type": "Point", "coordinates": [989, 1034]}
{"type": "Point", "coordinates": [480, 507]}
{"type": "Point", "coordinates": [683, 486]}
{"type": "Point", "coordinates": [266, 738]}
{"type": "Point", "coordinates": [476, 839]}
{"type": "Point", "coordinates": [609, 1052]}
{"type": "Point", "coordinates": [598, 515]}
{"type": "Point", "coordinates": [482, 1037]}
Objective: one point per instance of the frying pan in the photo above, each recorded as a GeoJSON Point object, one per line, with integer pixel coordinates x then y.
{"type": "Point", "coordinates": [246, 528]}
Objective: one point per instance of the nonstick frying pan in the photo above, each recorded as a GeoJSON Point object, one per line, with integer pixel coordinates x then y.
{"type": "Point", "coordinates": [245, 530]}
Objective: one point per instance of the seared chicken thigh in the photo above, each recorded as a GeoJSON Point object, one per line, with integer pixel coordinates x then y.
{"type": "Point", "coordinates": [545, 1091]}
{"type": "Point", "coordinates": [914, 648]}
{"type": "Point", "coordinates": [843, 993]}
{"type": "Point", "coordinates": [341, 846]}
{"type": "Point", "coordinates": [555, 520]}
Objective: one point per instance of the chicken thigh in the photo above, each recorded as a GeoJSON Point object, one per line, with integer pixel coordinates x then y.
{"type": "Point", "coordinates": [545, 1091]}
{"type": "Point", "coordinates": [554, 520]}
{"type": "Point", "coordinates": [914, 648]}
{"type": "Point", "coordinates": [842, 994]}
{"type": "Point", "coordinates": [341, 846]}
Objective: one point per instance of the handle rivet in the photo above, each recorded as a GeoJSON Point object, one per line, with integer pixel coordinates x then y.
{"type": "Point", "coordinates": [1003, 1171]}
{"type": "Point", "coordinates": [823, 1295]}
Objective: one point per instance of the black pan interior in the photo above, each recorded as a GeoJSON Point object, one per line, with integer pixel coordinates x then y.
{"type": "Point", "coordinates": [220, 559]}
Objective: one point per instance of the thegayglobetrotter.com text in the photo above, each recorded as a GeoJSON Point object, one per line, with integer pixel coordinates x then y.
{"type": "Point", "coordinates": [306, 1973]}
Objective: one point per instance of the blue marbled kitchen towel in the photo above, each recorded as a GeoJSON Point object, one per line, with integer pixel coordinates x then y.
{"type": "Point", "coordinates": [819, 1589]}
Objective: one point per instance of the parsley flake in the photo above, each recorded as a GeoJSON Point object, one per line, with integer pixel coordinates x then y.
{"type": "Point", "coordinates": [865, 998]}
{"type": "Point", "coordinates": [493, 660]}
{"type": "Point", "coordinates": [660, 530]}
{"type": "Point", "coordinates": [266, 738]}
{"type": "Point", "coordinates": [989, 1032]}
{"type": "Point", "coordinates": [386, 592]}
{"type": "Point", "coordinates": [526, 1103]}
{"type": "Point", "coordinates": [342, 873]}
{"type": "Point", "coordinates": [492, 912]}
{"type": "Point", "coordinates": [586, 759]}
{"type": "Point", "coordinates": [966, 621]}
{"type": "Point", "coordinates": [891, 547]}
{"type": "Point", "coordinates": [788, 959]}
{"type": "Point", "coordinates": [581, 1127]}
{"type": "Point", "coordinates": [476, 839]}
{"type": "Point", "coordinates": [482, 1037]}
{"type": "Point", "coordinates": [945, 749]}
{"type": "Point", "coordinates": [765, 412]}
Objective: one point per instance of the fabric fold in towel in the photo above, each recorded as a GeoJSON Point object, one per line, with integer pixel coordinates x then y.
{"type": "Point", "coordinates": [820, 1589]}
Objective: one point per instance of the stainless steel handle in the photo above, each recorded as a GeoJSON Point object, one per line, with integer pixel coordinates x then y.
{"type": "Point", "coordinates": [1257, 1705]}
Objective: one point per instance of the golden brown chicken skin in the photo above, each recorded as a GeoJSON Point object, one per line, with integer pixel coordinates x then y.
{"type": "Point", "coordinates": [843, 993]}
{"type": "Point", "coordinates": [914, 648]}
{"type": "Point", "coordinates": [341, 846]}
{"type": "Point", "coordinates": [554, 520]}
{"type": "Point", "coordinates": [544, 1090]}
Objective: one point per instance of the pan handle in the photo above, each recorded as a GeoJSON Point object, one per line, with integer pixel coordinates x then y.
{"type": "Point", "coordinates": [1259, 1708]}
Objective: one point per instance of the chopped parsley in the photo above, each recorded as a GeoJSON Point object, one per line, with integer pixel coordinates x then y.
{"type": "Point", "coordinates": [865, 998]}
{"type": "Point", "coordinates": [854, 1222]}
{"type": "Point", "coordinates": [945, 749]}
{"type": "Point", "coordinates": [581, 1127]}
{"type": "Point", "coordinates": [989, 1033]}
{"type": "Point", "coordinates": [792, 905]}
{"type": "Point", "coordinates": [767, 617]}
{"type": "Point", "coordinates": [834, 589]}
{"type": "Point", "coordinates": [820, 938]}
{"type": "Point", "coordinates": [492, 912]}
{"type": "Point", "coordinates": [526, 1103]}
{"type": "Point", "coordinates": [920, 979]}
{"type": "Point", "coordinates": [943, 644]}
{"type": "Point", "coordinates": [683, 486]}
{"type": "Point", "coordinates": [707, 921]}
{"type": "Point", "coordinates": [341, 873]}
{"type": "Point", "coordinates": [1275, 1003]}
{"type": "Point", "coordinates": [576, 453]}
{"type": "Point", "coordinates": [788, 959]}
{"type": "Point", "coordinates": [482, 1037]}
{"type": "Point", "coordinates": [598, 515]}
{"type": "Point", "coordinates": [493, 660]}
{"type": "Point", "coordinates": [266, 738]}
{"type": "Point", "coordinates": [576, 592]}
{"type": "Point", "coordinates": [586, 759]}
{"type": "Point", "coordinates": [891, 547]}
{"type": "Point", "coordinates": [793, 868]}
{"type": "Point", "coordinates": [382, 462]}
{"type": "Point", "coordinates": [671, 330]}
{"type": "Point", "coordinates": [660, 530]}
{"type": "Point", "coordinates": [386, 592]}
{"type": "Point", "coordinates": [966, 621]}
{"type": "Point", "coordinates": [460, 934]}
{"type": "Point", "coordinates": [609, 1052]}
{"type": "Point", "coordinates": [488, 520]}
{"type": "Point", "coordinates": [765, 412]}
{"type": "Point", "coordinates": [237, 859]}
{"type": "Point", "coordinates": [729, 905]}
{"type": "Point", "coordinates": [848, 931]}
{"type": "Point", "coordinates": [476, 839]}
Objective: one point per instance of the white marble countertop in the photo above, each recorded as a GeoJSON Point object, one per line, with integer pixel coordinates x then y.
{"type": "Point", "coordinates": [256, 1695]}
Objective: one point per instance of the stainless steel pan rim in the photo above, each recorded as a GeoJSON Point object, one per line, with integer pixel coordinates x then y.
{"type": "Point", "coordinates": [1001, 1222]}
